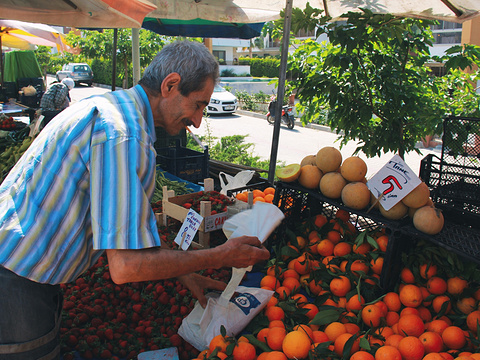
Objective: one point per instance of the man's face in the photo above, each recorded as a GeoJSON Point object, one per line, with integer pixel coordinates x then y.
{"type": "Point", "coordinates": [174, 111]}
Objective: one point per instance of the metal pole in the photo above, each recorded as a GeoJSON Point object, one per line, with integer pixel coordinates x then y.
{"type": "Point", "coordinates": [280, 90]}
{"type": "Point", "coordinates": [136, 55]}
{"type": "Point", "coordinates": [114, 59]}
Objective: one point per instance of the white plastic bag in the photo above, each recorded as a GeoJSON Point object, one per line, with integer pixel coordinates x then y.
{"type": "Point", "coordinates": [241, 179]}
{"type": "Point", "coordinates": [202, 325]}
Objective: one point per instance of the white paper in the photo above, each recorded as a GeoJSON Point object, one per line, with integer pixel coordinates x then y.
{"type": "Point", "coordinates": [188, 230]}
{"type": "Point", "coordinates": [393, 182]}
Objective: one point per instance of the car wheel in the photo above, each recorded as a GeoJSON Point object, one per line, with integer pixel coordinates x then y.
{"type": "Point", "coordinates": [89, 83]}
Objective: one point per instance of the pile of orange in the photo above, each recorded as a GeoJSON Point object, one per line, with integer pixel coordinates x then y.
{"type": "Point", "coordinates": [328, 304]}
{"type": "Point", "coordinates": [265, 195]}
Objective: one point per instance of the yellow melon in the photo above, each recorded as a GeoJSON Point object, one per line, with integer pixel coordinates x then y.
{"type": "Point", "coordinates": [398, 211]}
{"type": "Point", "coordinates": [428, 219]}
{"type": "Point", "coordinates": [332, 184]}
{"type": "Point", "coordinates": [288, 173]}
{"type": "Point", "coordinates": [309, 160]}
{"type": "Point", "coordinates": [310, 176]}
{"type": "Point", "coordinates": [328, 159]}
{"type": "Point", "coordinates": [418, 197]}
{"type": "Point", "coordinates": [353, 169]}
{"type": "Point", "coordinates": [356, 195]}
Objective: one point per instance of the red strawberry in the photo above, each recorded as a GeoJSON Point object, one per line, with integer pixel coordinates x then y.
{"type": "Point", "coordinates": [137, 308]}
{"type": "Point", "coordinates": [176, 340]}
{"type": "Point", "coordinates": [109, 334]}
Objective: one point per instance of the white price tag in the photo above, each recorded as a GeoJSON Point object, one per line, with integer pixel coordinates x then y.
{"type": "Point", "coordinates": [393, 182]}
{"type": "Point", "coordinates": [188, 230]}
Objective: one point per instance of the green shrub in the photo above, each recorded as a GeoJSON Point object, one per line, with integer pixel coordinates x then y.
{"type": "Point", "coordinates": [228, 73]}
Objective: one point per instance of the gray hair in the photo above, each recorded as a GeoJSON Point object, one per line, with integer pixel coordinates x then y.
{"type": "Point", "coordinates": [190, 59]}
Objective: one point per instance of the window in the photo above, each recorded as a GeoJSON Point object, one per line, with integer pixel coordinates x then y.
{"type": "Point", "coordinates": [219, 54]}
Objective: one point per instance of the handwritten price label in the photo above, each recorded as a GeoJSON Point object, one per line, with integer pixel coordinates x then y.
{"type": "Point", "coordinates": [393, 182]}
{"type": "Point", "coordinates": [188, 230]}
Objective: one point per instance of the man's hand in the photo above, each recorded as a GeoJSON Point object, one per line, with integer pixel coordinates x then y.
{"type": "Point", "coordinates": [198, 283]}
{"type": "Point", "coordinates": [243, 251]}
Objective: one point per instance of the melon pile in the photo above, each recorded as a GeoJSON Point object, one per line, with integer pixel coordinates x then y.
{"type": "Point", "coordinates": [339, 178]}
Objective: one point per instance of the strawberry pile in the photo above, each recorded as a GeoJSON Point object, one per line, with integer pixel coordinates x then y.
{"type": "Point", "coordinates": [103, 320]}
{"type": "Point", "coordinates": [219, 201]}
{"type": "Point", "coordinates": [7, 123]}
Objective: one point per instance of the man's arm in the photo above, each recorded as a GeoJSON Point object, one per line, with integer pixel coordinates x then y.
{"type": "Point", "coordinates": [157, 263]}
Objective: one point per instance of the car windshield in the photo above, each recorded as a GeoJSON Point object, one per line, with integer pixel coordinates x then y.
{"type": "Point", "coordinates": [218, 88]}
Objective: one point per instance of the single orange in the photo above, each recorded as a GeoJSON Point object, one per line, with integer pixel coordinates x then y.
{"type": "Point", "coordinates": [312, 310]}
{"type": "Point", "coordinates": [392, 318]}
{"type": "Point", "coordinates": [274, 313]}
{"type": "Point", "coordinates": [466, 305]}
{"type": "Point", "coordinates": [406, 275]}
{"type": "Point", "coordinates": [377, 265]}
{"type": "Point", "coordinates": [473, 321]}
{"type": "Point", "coordinates": [394, 340]}
{"type": "Point", "coordinates": [334, 330]}
{"type": "Point", "coordinates": [343, 215]}
{"type": "Point", "coordinates": [244, 351]}
{"type": "Point", "coordinates": [319, 336]}
{"type": "Point", "coordinates": [340, 342]}
{"type": "Point", "coordinates": [305, 328]}
{"type": "Point", "coordinates": [362, 249]}
{"type": "Point", "coordinates": [269, 191]}
{"type": "Point", "coordinates": [315, 287]}
{"type": "Point", "coordinates": [454, 337]}
{"type": "Point", "coordinates": [334, 236]}
{"type": "Point", "coordinates": [382, 242]}
{"type": "Point", "coordinates": [296, 345]}
{"type": "Point", "coordinates": [371, 315]}
{"type": "Point", "coordinates": [283, 292]}
{"type": "Point", "coordinates": [270, 282]}
{"type": "Point", "coordinates": [274, 355]}
{"type": "Point", "coordinates": [275, 338]}
{"type": "Point", "coordinates": [242, 196]}
{"type": "Point", "coordinates": [292, 284]}
{"type": "Point", "coordinates": [320, 220]}
{"type": "Point", "coordinates": [388, 352]}
{"type": "Point", "coordinates": [456, 285]}
{"type": "Point", "coordinates": [441, 302]}
{"type": "Point", "coordinates": [218, 343]}
{"type": "Point", "coordinates": [342, 248]}
{"type": "Point", "coordinates": [362, 355]}
{"type": "Point", "coordinates": [262, 335]}
{"type": "Point", "coordinates": [436, 285]}
{"type": "Point", "coordinates": [325, 247]}
{"type": "Point", "coordinates": [411, 348]}
{"type": "Point", "coordinates": [411, 295]}
{"type": "Point", "coordinates": [437, 325]}
{"type": "Point", "coordinates": [269, 198]}
{"type": "Point", "coordinates": [355, 303]}
{"type": "Point", "coordinates": [411, 325]}
{"type": "Point", "coordinates": [276, 323]}
{"type": "Point", "coordinates": [258, 199]}
{"type": "Point", "coordinates": [427, 270]}
{"type": "Point", "coordinates": [258, 193]}
{"type": "Point", "coordinates": [432, 342]}
{"type": "Point", "coordinates": [340, 286]}
{"type": "Point", "coordinates": [392, 300]}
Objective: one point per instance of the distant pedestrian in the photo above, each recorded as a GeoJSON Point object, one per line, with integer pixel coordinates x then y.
{"type": "Point", "coordinates": [56, 99]}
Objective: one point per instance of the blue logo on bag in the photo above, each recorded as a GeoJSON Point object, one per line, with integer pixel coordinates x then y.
{"type": "Point", "coordinates": [246, 302]}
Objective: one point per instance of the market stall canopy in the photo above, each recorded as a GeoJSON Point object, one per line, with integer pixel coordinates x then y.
{"type": "Point", "coordinates": [23, 35]}
{"type": "Point", "coordinates": [79, 13]}
{"type": "Point", "coordinates": [202, 28]}
{"type": "Point", "coordinates": [254, 11]}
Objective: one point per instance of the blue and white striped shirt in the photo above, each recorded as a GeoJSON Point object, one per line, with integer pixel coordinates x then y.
{"type": "Point", "coordinates": [75, 193]}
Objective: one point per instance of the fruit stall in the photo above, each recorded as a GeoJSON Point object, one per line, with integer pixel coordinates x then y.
{"type": "Point", "coordinates": [350, 279]}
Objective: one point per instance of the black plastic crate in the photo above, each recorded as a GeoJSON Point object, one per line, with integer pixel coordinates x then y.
{"type": "Point", "coordinates": [185, 163]}
{"type": "Point", "coordinates": [165, 140]}
{"type": "Point", "coordinates": [299, 203]}
{"type": "Point", "coordinates": [253, 184]}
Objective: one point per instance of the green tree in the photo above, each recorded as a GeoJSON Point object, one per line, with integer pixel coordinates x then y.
{"type": "Point", "coordinates": [372, 78]}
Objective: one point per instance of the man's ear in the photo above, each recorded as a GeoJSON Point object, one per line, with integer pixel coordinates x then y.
{"type": "Point", "coordinates": [169, 84]}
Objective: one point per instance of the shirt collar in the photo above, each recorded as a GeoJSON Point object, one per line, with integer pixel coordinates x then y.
{"type": "Point", "coordinates": [146, 110]}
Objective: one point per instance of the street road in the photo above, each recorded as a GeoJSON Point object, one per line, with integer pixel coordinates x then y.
{"type": "Point", "coordinates": [294, 144]}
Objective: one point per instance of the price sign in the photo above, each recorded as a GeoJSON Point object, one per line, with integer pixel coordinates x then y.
{"type": "Point", "coordinates": [393, 182]}
{"type": "Point", "coordinates": [188, 230]}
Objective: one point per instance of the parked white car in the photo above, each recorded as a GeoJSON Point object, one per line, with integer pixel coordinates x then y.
{"type": "Point", "coordinates": [222, 102]}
